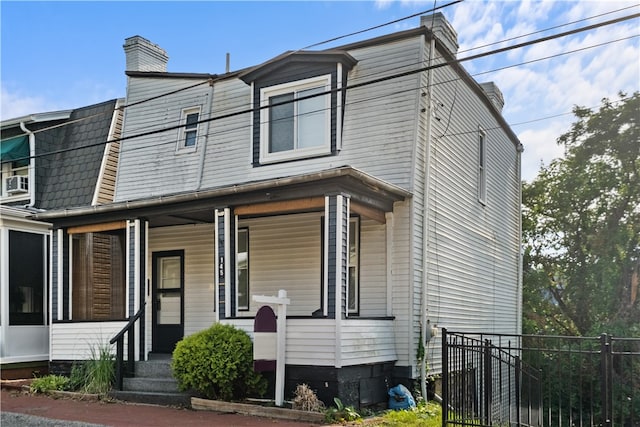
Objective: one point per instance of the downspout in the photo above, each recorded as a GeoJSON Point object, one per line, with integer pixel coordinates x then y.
{"type": "Point", "coordinates": [426, 328]}
{"type": "Point", "coordinates": [32, 165]}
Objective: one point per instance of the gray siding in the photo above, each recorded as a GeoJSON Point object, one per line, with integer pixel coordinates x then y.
{"type": "Point", "coordinates": [152, 165]}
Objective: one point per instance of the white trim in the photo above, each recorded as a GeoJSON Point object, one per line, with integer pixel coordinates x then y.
{"type": "Point", "coordinates": [338, 314]}
{"type": "Point", "coordinates": [127, 270]}
{"type": "Point", "coordinates": [227, 262]}
{"type": "Point", "coordinates": [50, 293]}
{"type": "Point", "coordinates": [338, 109]}
{"type": "Point", "coordinates": [60, 275]}
{"type": "Point", "coordinates": [70, 246]}
{"type": "Point", "coordinates": [105, 154]}
{"type": "Point", "coordinates": [390, 246]}
{"type": "Point", "coordinates": [216, 264]}
{"type": "Point", "coordinates": [325, 266]}
{"type": "Point", "coordinates": [297, 86]}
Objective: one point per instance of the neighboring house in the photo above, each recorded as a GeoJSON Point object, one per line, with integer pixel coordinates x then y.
{"type": "Point", "coordinates": [384, 200]}
{"type": "Point", "coordinates": [44, 166]}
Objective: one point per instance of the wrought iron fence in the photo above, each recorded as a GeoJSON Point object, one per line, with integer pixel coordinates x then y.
{"type": "Point", "coordinates": [533, 380]}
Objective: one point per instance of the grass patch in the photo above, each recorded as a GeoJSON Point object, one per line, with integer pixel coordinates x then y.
{"type": "Point", "coordinates": [423, 415]}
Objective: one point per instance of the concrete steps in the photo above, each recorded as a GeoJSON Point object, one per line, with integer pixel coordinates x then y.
{"type": "Point", "coordinates": [153, 384]}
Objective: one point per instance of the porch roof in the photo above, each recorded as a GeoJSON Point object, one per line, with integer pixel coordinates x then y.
{"type": "Point", "coordinates": [370, 196]}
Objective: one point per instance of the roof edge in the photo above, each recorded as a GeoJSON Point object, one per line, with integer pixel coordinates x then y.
{"type": "Point", "coordinates": [343, 171]}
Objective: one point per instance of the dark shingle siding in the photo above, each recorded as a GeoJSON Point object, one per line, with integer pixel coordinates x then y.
{"type": "Point", "coordinates": [69, 178]}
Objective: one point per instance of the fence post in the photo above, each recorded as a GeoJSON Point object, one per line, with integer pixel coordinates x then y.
{"type": "Point", "coordinates": [487, 382]}
{"type": "Point", "coordinates": [445, 378]}
{"type": "Point", "coordinates": [605, 379]}
{"type": "Point", "coordinates": [518, 388]}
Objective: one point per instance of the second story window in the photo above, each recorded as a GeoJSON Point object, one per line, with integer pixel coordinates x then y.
{"type": "Point", "coordinates": [296, 123]}
{"type": "Point", "coordinates": [482, 167]}
{"type": "Point", "coordinates": [189, 133]}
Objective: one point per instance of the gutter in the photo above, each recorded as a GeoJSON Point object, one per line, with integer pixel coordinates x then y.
{"type": "Point", "coordinates": [32, 165]}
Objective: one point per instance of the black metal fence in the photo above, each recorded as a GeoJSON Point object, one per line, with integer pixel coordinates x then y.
{"type": "Point", "coordinates": [534, 380]}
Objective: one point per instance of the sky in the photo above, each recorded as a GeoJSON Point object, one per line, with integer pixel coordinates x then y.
{"type": "Point", "coordinates": [63, 55]}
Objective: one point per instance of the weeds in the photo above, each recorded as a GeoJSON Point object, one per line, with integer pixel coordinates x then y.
{"type": "Point", "coordinates": [49, 383]}
{"type": "Point", "coordinates": [305, 399]}
{"type": "Point", "coordinates": [341, 413]}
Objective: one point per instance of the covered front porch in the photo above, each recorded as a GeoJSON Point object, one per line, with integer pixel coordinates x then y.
{"type": "Point", "coordinates": [191, 260]}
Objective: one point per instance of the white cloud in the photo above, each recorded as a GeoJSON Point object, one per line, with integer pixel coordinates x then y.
{"type": "Point", "coordinates": [540, 147]}
{"type": "Point", "coordinates": [14, 104]}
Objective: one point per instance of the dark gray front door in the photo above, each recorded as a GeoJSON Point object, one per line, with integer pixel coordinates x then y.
{"type": "Point", "coordinates": [168, 310]}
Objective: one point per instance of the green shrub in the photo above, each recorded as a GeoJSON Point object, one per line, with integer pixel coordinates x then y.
{"type": "Point", "coordinates": [218, 364]}
{"type": "Point", "coordinates": [49, 383]}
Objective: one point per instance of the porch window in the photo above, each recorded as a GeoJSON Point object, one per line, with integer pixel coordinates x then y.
{"type": "Point", "coordinates": [353, 290]}
{"type": "Point", "coordinates": [295, 127]}
{"type": "Point", "coordinates": [353, 284]}
{"type": "Point", "coordinates": [242, 268]}
{"type": "Point", "coordinates": [98, 276]}
{"type": "Point", "coordinates": [26, 278]}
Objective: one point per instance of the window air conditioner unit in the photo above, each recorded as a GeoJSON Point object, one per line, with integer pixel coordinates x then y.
{"type": "Point", "coordinates": [17, 184]}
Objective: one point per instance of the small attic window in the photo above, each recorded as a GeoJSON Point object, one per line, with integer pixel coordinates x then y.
{"type": "Point", "coordinates": [188, 135]}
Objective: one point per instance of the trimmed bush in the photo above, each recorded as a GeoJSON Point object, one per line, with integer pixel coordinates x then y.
{"type": "Point", "coordinates": [218, 364]}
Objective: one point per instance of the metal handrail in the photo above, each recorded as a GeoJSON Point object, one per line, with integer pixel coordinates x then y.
{"type": "Point", "coordinates": [119, 341]}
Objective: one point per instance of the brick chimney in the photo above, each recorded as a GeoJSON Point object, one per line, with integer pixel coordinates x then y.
{"type": "Point", "coordinates": [142, 55]}
{"type": "Point", "coordinates": [494, 94]}
{"type": "Point", "coordinates": [442, 30]}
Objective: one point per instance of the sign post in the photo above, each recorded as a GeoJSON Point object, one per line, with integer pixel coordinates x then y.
{"type": "Point", "coordinates": [263, 338]}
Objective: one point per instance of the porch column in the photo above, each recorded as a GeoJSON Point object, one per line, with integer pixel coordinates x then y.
{"type": "Point", "coordinates": [224, 257]}
{"type": "Point", "coordinates": [336, 256]}
{"type": "Point", "coordinates": [136, 276]}
{"type": "Point", "coordinates": [60, 266]}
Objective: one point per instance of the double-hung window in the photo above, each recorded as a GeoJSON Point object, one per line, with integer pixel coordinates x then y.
{"type": "Point", "coordinates": [353, 287]}
{"type": "Point", "coordinates": [482, 167]}
{"type": "Point", "coordinates": [189, 131]}
{"type": "Point", "coordinates": [296, 120]}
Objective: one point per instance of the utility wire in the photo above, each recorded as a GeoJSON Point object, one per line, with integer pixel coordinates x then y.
{"type": "Point", "coordinates": [212, 76]}
{"type": "Point", "coordinates": [356, 85]}
{"type": "Point", "coordinates": [383, 25]}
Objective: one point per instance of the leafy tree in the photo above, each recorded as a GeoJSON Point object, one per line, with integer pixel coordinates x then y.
{"type": "Point", "coordinates": [581, 227]}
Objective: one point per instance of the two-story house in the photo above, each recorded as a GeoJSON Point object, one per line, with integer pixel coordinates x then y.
{"type": "Point", "coordinates": [48, 161]}
{"type": "Point", "coordinates": [376, 182]}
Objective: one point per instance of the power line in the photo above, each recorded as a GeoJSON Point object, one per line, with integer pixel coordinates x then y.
{"type": "Point", "coordinates": [356, 85]}
{"type": "Point", "coordinates": [210, 77]}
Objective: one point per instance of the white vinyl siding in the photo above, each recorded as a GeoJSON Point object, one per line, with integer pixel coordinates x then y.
{"type": "Point", "coordinates": [148, 164]}
{"type": "Point", "coordinates": [199, 298]}
{"type": "Point", "coordinates": [473, 249]}
{"type": "Point", "coordinates": [80, 340]}
{"type": "Point", "coordinates": [285, 254]}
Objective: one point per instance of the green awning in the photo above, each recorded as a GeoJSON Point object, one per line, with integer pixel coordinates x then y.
{"type": "Point", "coordinates": [16, 148]}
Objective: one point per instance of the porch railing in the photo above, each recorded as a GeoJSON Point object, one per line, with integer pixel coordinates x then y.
{"type": "Point", "coordinates": [126, 368]}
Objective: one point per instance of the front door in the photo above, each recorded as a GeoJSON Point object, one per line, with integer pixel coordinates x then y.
{"type": "Point", "coordinates": [167, 294]}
